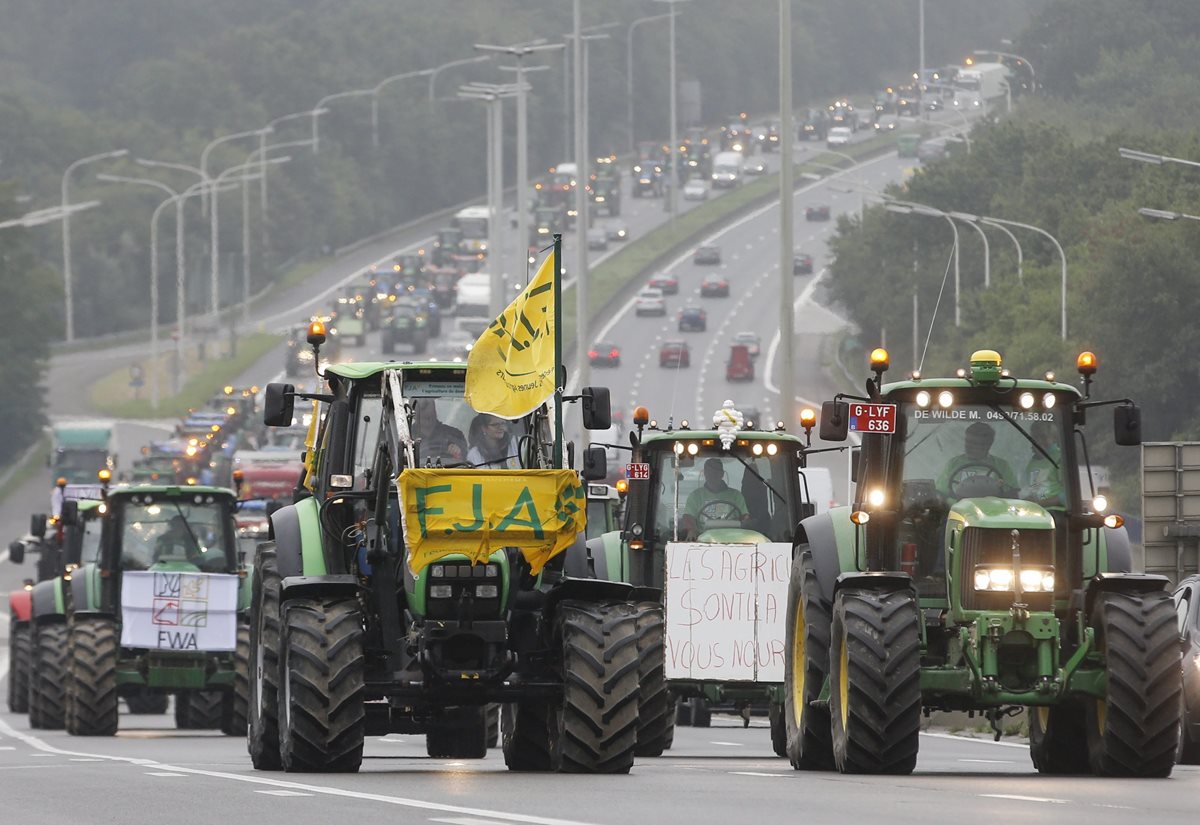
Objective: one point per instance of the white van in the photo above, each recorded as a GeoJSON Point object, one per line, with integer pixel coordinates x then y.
{"type": "Point", "coordinates": [727, 169]}
{"type": "Point", "coordinates": [475, 295]}
{"type": "Point", "coordinates": [838, 136]}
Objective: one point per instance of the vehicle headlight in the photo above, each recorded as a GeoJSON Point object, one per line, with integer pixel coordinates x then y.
{"type": "Point", "coordinates": [1026, 400]}
{"type": "Point", "coordinates": [487, 591]}
{"type": "Point", "coordinates": [1001, 579]}
{"type": "Point", "coordinates": [875, 497]}
{"type": "Point", "coordinates": [945, 399]}
{"type": "Point", "coordinates": [923, 399]}
{"type": "Point", "coordinates": [441, 591]}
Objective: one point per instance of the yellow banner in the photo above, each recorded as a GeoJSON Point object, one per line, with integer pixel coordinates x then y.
{"type": "Point", "coordinates": [476, 512]}
{"type": "Point", "coordinates": [511, 368]}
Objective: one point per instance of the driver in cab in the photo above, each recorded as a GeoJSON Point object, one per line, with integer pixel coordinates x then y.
{"type": "Point", "coordinates": [975, 471]}
{"type": "Point", "coordinates": [714, 501]}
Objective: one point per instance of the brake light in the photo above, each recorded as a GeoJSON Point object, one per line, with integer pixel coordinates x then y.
{"type": "Point", "coordinates": [614, 353]}
{"type": "Point", "coordinates": [592, 353]}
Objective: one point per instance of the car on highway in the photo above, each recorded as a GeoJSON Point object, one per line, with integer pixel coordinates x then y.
{"type": "Point", "coordinates": [597, 239]}
{"type": "Point", "coordinates": [693, 319]}
{"type": "Point", "coordinates": [1187, 610]}
{"type": "Point", "coordinates": [932, 149]}
{"type": "Point", "coordinates": [695, 190]}
{"type": "Point", "coordinates": [802, 264]}
{"type": "Point", "coordinates": [752, 343]}
{"type": "Point", "coordinates": [650, 301]}
{"type": "Point", "coordinates": [604, 354]}
{"type": "Point", "coordinates": [752, 418]}
{"type": "Point", "coordinates": [820, 212]}
{"type": "Point", "coordinates": [714, 286]}
{"type": "Point", "coordinates": [617, 232]}
{"type": "Point", "coordinates": [755, 166]}
{"type": "Point", "coordinates": [740, 366]}
{"type": "Point", "coordinates": [888, 125]}
{"type": "Point", "coordinates": [838, 136]}
{"type": "Point", "coordinates": [455, 346]}
{"type": "Point", "coordinates": [707, 255]}
{"type": "Point", "coordinates": [675, 353]}
{"type": "Point", "coordinates": [666, 283]}
{"type": "Point", "coordinates": [934, 104]}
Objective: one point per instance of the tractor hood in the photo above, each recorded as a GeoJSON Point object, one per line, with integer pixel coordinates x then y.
{"type": "Point", "coordinates": [732, 535]}
{"type": "Point", "coordinates": [991, 512]}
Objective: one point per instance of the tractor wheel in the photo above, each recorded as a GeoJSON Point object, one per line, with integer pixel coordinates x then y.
{"type": "Point", "coordinates": [683, 713]}
{"type": "Point", "coordinates": [1134, 730]}
{"type": "Point", "coordinates": [93, 646]}
{"type": "Point", "coordinates": [493, 726]}
{"type": "Point", "coordinates": [460, 733]}
{"type": "Point", "coordinates": [144, 703]}
{"type": "Point", "coordinates": [656, 706]}
{"type": "Point", "coordinates": [18, 666]}
{"type": "Point", "coordinates": [199, 709]}
{"type": "Point", "coordinates": [1189, 750]}
{"type": "Point", "coordinates": [529, 736]}
{"type": "Point", "coordinates": [701, 712]}
{"type": "Point", "coordinates": [263, 668]}
{"type": "Point", "coordinates": [600, 698]}
{"type": "Point", "coordinates": [48, 676]}
{"type": "Point", "coordinates": [778, 729]}
{"type": "Point", "coordinates": [321, 716]}
{"type": "Point", "coordinates": [1057, 739]}
{"type": "Point", "coordinates": [233, 708]}
{"type": "Point", "coordinates": [806, 666]}
{"type": "Point", "coordinates": [875, 674]}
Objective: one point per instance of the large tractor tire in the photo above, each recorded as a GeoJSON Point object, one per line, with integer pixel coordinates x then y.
{"type": "Point", "coordinates": [198, 709]}
{"type": "Point", "coordinates": [233, 708]}
{"type": "Point", "coordinates": [322, 721]}
{"type": "Point", "coordinates": [1189, 748]}
{"type": "Point", "coordinates": [1134, 730]}
{"type": "Point", "coordinates": [700, 712]}
{"type": "Point", "coordinates": [460, 733]}
{"type": "Point", "coordinates": [656, 706]}
{"type": "Point", "coordinates": [875, 678]}
{"type": "Point", "coordinates": [600, 696]}
{"type": "Point", "coordinates": [93, 647]}
{"type": "Point", "coordinates": [48, 676]}
{"type": "Point", "coordinates": [529, 735]}
{"type": "Point", "coordinates": [805, 668]}
{"type": "Point", "coordinates": [1057, 739]}
{"type": "Point", "coordinates": [778, 729]}
{"type": "Point", "coordinates": [18, 666]}
{"type": "Point", "coordinates": [683, 713]}
{"type": "Point", "coordinates": [142, 702]}
{"type": "Point", "coordinates": [262, 738]}
{"type": "Point", "coordinates": [493, 726]}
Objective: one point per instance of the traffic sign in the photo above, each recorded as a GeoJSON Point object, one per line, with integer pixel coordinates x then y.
{"type": "Point", "coordinates": [637, 472]}
{"type": "Point", "coordinates": [873, 418]}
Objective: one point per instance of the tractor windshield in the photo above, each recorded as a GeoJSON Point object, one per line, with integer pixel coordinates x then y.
{"type": "Point", "coordinates": [89, 552]}
{"type": "Point", "coordinates": [180, 530]}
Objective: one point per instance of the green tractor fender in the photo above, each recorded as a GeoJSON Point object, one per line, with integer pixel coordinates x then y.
{"type": "Point", "coordinates": [47, 601]}
{"type": "Point", "coordinates": [1115, 553]}
{"type": "Point", "coordinates": [245, 588]}
{"type": "Point", "coordinates": [85, 589]}
{"type": "Point", "coordinates": [1122, 583]}
{"type": "Point", "coordinates": [830, 538]}
{"type": "Point", "coordinates": [298, 546]}
{"type": "Point", "coordinates": [601, 557]}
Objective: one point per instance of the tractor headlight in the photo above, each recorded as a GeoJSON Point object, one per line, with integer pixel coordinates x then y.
{"type": "Point", "coordinates": [441, 591]}
{"type": "Point", "coordinates": [1033, 579]}
{"type": "Point", "coordinates": [487, 591]}
{"type": "Point", "coordinates": [945, 399]}
{"type": "Point", "coordinates": [1099, 504]}
{"type": "Point", "coordinates": [875, 498]}
{"type": "Point", "coordinates": [1026, 400]}
{"type": "Point", "coordinates": [923, 399]}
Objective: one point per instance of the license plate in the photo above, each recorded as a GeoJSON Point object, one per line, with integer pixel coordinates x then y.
{"type": "Point", "coordinates": [873, 418]}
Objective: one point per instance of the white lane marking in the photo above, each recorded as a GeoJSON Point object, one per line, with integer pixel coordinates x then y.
{"type": "Point", "coordinates": [988, 741]}
{"type": "Point", "coordinates": [30, 767]}
{"type": "Point", "coordinates": [161, 773]}
{"type": "Point", "coordinates": [467, 820]}
{"type": "Point", "coordinates": [729, 744]}
{"type": "Point", "coordinates": [7, 748]}
{"type": "Point", "coordinates": [284, 793]}
{"type": "Point", "coordinates": [756, 773]}
{"type": "Point", "coordinates": [990, 761]}
{"type": "Point", "coordinates": [85, 759]}
{"type": "Point", "coordinates": [1047, 799]}
{"type": "Point", "coordinates": [419, 804]}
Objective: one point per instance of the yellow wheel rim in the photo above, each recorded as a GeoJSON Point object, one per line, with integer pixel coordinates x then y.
{"type": "Point", "coordinates": [844, 683]}
{"type": "Point", "coordinates": [798, 665]}
{"type": "Point", "coordinates": [1043, 717]}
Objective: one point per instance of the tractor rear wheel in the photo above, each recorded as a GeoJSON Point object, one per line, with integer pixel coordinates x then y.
{"type": "Point", "coordinates": [600, 698]}
{"type": "Point", "coordinates": [778, 729]}
{"type": "Point", "coordinates": [18, 666]}
{"type": "Point", "coordinates": [198, 709]}
{"type": "Point", "coordinates": [805, 669]}
{"type": "Point", "coordinates": [460, 733]}
{"type": "Point", "coordinates": [529, 735]}
{"type": "Point", "coordinates": [683, 713]}
{"type": "Point", "coordinates": [493, 725]}
{"type": "Point", "coordinates": [93, 646]}
{"type": "Point", "coordinates": [143, 702]}
{"type": "Point", "coordinates": [322, 721]}
{"type": "Point", "coordinates": [1134, 730]}
{"type": "Point", "coordinates": [701, 713]}
{"type": "Point", "coordinates": [656, 706]}
{"type": "Point", "coordinates": [1057, 739]}
{"type": "Point", "coordinates": [233, 708]}
{"type": "Point", "coordinates": [875, 678]}
{"type": "Point", "coordinates": [263, 667]}
{"type": "Point", "coordinates": [48, 676]}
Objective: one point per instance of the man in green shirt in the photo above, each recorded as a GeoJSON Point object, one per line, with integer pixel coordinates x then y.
{"type": "Point", "coordinates": [715, 501]}
{"type": "Point", "coordinates": [1043, 478]}
{"type": "Point", "coordinates": [975, 472]}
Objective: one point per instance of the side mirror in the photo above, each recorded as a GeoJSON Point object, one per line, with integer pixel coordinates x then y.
{"type": "Point", "coordinates": [595, 464]}
{"type": "Point", "coordinates": [855, 453]}
{"type": "Point", "coordinates": [70, 512]}
{"type": "Point", "coordinates": [37, 525]}
{"type": "Point", "coordinates": [835, 421]}
{"type": "Point", "coordinates": [16, 552]}
{"type": "Point", "coordinates": [1127, 425]}
{"type": "Point", "coordinates": [278, 405]}
{"type": "Point", "coordinates": [597, 410]}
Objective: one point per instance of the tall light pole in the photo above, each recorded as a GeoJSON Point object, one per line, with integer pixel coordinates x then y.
{"type": "Point", "coordinates": [568, 141]}
{"type": "Point", "coordinates": [464, 62]}
{"type": "Point", "coordinates": [906, 208]}
{"type": "Point", "coordinates": [68, 290]}
{"type": "Point", "coordinates": [582, 363]}
{"type": "Point", "coordinates": [1061, 254]}
{"type": "Point", "coordinates": [375, 98]}
{"type": "Point", "coordinates": [213, 144]}
{"type": "Point", "coordinates": [215, 281]}
{"type": "Point", "coordinates": [44, 216]}
{"type": "Point", "coordinates": [672, 163]}
{"type": "Point", "coordinates": [920, 46]}
{"type": "Point", "coordinates": [1154, 159]}
{"type": "Point", "coordinates": [258, 156]}
{"type": "Point", "coordinates": [320, 109]}
{"type": "Point", "coordinates": [787, 312]}
{"type": "Point", "coordinates": [629, 68]}
{"type": "Point", "coordinates": [1164, 215]}
{"type": "Point", "coordinates": [262, 147]}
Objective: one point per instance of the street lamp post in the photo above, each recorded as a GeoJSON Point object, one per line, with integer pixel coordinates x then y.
{"type": "Point", "coordinates": [319, 110]}
{"type": "Point", "coordinates": [906, 208]}
{"type": "Point", "coordinates": [464, 62]}
{"type": "Point", "coordinates": [213, 144]}
{"type": "Point", "coordinates": [43, 216]}
{"type": "Point", "coordinates": [1156, 160]}
{"type": "Point", "coordinates": [258, 156]}
{"type": "Point", "coordinates": [1164, 215]}
{"type": "Point", "coordinates": [375, 98]}
{"type": "Point", "coordinates": [629, 68]}
{"type": "Point", "coordinates": [673, 171]}
{"type": "Point", "coordinates": [1061, 254]}
{"type": "Point", "coordinates": [1016, 243]}
{"type": "Point", "coordinates": [68, 291]}
{"type": "Point", "coordinates": [787, 312]}
{"type": "Point", "coordinates": [215, 281]}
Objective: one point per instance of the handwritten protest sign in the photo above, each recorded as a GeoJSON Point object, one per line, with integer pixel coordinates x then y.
{"type": "Point", "coordinates": [725, 611]}
{"type": "Point", "coordinates": [179, 611]}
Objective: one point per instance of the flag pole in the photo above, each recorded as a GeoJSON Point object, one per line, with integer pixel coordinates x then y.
{"type": "Point", "coordinates": [560, 378]}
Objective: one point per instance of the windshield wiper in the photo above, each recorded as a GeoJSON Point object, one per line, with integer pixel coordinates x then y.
{"type": "Point", "coordinates": [1007, 417]}
{"type": "Point", "coordinates": [191, 535]}
{"type": "Point", "coordinates": [766, 483]}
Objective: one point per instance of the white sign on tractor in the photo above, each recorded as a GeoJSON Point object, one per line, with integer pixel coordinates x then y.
{"type": "Point", "coordinates": [725, 606]}
{"type": "Point", "coordinates": [180, 611]}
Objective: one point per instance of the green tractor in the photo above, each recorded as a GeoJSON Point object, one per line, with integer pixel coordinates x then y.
{"type": "Point", "coordinates": [977, 571]}
{"type": "Point", "coordinates": [708, 529]}
{"type": "Point", "coordinates": [152, 603]}
{"type": "Point", "coordinates": [410, 588]}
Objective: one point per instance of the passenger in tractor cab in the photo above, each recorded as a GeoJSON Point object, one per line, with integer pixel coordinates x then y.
{"type": "Point", "coordinates": [1043, 476]}
{"type": "Point", "coordinates": [715, 501]}
{"type": "Point", "coordinates": [440, 443]}
{"type": "Point", "coordinates": [493, 446]}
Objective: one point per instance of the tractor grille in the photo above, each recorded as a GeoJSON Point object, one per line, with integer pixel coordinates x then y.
{"type": "Point", "coordinates": [982, 546]}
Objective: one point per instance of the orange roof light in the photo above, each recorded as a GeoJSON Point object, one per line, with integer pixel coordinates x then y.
{"type": "Point", "coordinates": [622, 486]}
{"type": "Point", "coordinates": [808, 418]}
{"type": "Point", "coordinates": [316, 333]}
{"type": "Point", "coordinates": [62, 482]}
{"type": "Point", "coordinates": [238, 475]}
{"type": "Point", "coordinates": [105, 476]}
{"type": "Point", "coordinates": [1087, 363]}
{"type": "Point", "coordinates": [641, 416]}
{"type": "Point", "coordinates": [879, 359]}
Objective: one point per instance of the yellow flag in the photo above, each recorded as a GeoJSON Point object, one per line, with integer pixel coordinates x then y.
{"type": "Point", "coordinates": [511, 369]}
{"type": "Point", "coordinates": [476, 512]}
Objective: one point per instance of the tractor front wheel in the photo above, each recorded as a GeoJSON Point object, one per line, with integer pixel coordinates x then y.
{"type": "Point", "coordinates": [875, 679]}
{"type": "Point", "coordinates": [233, 708]}
{"type": "Point", "coordinates": [1134, 729]}
{"type": "Point", "coordinates": [48, 676]}
{"type": "Point", "coordinates": [528, 733]}
{"type": "Point", "coordinates": [1057, 739]}
{"type": "Point", "coordinates": [460, 733]}
{"type": "Point", "coordinates": [805, 669]}
{"type": "Point", "coordinates": [93, 647]}
{"type": "Point", "coordinates": [142, 702]}
{"type": "Point", "coordinates": [778, 729]}
{"type": "Point", "coordinates": [322, 721]}
{"type": "Point", "coordinates": [263, 666]}
{"type": "Point", "coordinates": [656, 706]}
{"type": "Point", "coordinates": [18, 666]}
{"type": "Point", "coordinates": [198, 709]}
